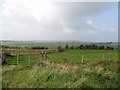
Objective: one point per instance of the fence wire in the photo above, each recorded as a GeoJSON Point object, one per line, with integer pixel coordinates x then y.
{"type": "Point", "coordinates": [31, 59]}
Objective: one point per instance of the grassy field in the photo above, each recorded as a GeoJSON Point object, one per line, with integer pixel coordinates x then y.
{"type": "Point", "coordinates": [75, 56]}
{"type": "Point", "coordinates": [69, 56]}
{"type": "Point", "coordinates": [64, 70]}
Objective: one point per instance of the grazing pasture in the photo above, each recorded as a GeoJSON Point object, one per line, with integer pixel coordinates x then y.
{"type": "Point", "coordinates": [95, 74]}
{"type": "Point", "coordinates": [75, 56]}
{"type": "Point", "coordinates": [67, 69]}
{"type": "Point", "coordinates": [68, 56]}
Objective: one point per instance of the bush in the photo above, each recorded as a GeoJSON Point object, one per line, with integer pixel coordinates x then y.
{"type": "Point", "coordinates": [72, 47]}
{"type": "Point", "coordinates": [40, 48]}
{"type": "Point", "coordinates": [66, 47]}
{"type": "Point", "coordinates": [60, 49]}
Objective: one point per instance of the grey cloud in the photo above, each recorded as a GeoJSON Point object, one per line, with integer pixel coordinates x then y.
{"type": "Point", "coordinates": [83, 9]}
{"type": "Point", "coordinates": [21, 25]}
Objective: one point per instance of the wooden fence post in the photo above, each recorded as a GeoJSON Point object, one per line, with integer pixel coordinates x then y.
{"type": "Point", "coordinates": [82, 59]}
{"type": "Point", "coordinates": [103, 57]}
{"type": "Point", "coordinates": [29, 59]}
{"type": "Point", "coordinates": [109, 56]}
{"type": "Point", "coordinates": [3, 56]}
{"type": "Point", "coordinates": [41, 57]}
{"type": "Point", "coordinates": [65, 58]}
{"type": "Point", "coordinates": [17, 58]}
{"type": "Point", "coordinates": [45, 56]}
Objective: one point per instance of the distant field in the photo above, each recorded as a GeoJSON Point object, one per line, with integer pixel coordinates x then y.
{"type": "Point", "coordinates": [53, 45]}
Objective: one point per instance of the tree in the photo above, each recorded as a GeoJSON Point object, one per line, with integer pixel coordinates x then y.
{"type": "Point", "coordinates": [86, 46]}
{"type": "Point", "coordinates": [77, 47]}
{"type": "Point", "coordinates": [109, 48]}
{"type": "Point", "coordinates": [72, 47]}
{"type": "Point", "coordinates": [40, 47]}
{"type": "Point", "coordinates": [4, 46]}
{"type": "Point", "coordinates": [66, 47]}
{"type": "Point", "coordinates": [81, 46]}
{"type": "Point", "coordinates": [60, 49]}
{"type": "Point", "coordinates": [94, 46]}
{"type": "Point", "coordinates": [4, 55]}
{"type": "Point", "coordinates": [101, 47]}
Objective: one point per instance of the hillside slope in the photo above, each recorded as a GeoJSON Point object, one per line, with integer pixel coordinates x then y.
{"type": "Point", "coordinates": [97, 74]}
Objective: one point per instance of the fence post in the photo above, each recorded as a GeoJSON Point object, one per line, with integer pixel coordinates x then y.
{"type": "Point", "coordinates": [3, 56]}
{"type": "Point", "coordinates": [109, 56]}
{"type": "Point", "coordinates": [65, 58]}
{"type": "Point", "coordinates": [45, 56]}
{"type": "Point", "coordinates": [41, 57]}
{"type": "Point", "coordinates": [103, 57]}
{"type": "Point", "coordinates": [29, 59]}
{"type": "Point", "coordinates": [82, 59]}
{"type": "Point", "coordinates": [17, 59]}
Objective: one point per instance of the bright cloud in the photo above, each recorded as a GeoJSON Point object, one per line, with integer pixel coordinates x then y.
{"type": "Point", "coordinates": [45, 20]}
{"type": "Point", "coordinates": [67, 30]}
{"type": "Point", "coordinates": [89, 22]}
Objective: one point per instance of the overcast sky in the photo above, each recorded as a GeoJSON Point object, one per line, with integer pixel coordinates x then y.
{"type": "Point", "coordinates": [43, 20]}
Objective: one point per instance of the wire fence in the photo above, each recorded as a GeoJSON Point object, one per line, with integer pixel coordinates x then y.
{"type": "Point", "coordinates": [31, 59]}
{"type": "Point", "coordinates": [84, 58]}
{"type": "Point", "coordinates": [22, 59]}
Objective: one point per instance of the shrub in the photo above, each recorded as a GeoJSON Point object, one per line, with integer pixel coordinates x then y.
{"type": "Point", "coordinates": [40, 47]}
{"type": "Point", "coordinates": [66, 47]}
{"type": "Point", "coordinates": [60, 49]}
{"type": "Point", "coordinates": [72, 47]}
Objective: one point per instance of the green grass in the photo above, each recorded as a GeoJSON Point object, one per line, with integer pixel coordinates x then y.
{"type": "Point", "coordinates": [61, 76]}
{"type": "Point", "coordinates": [59, 72]}
{"type": "Point", "coordinates": [76, 55]}
{"type": "Point", "coordinates": [23, 59]}
{"type": "Point", "coordinates": [69, 56]}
